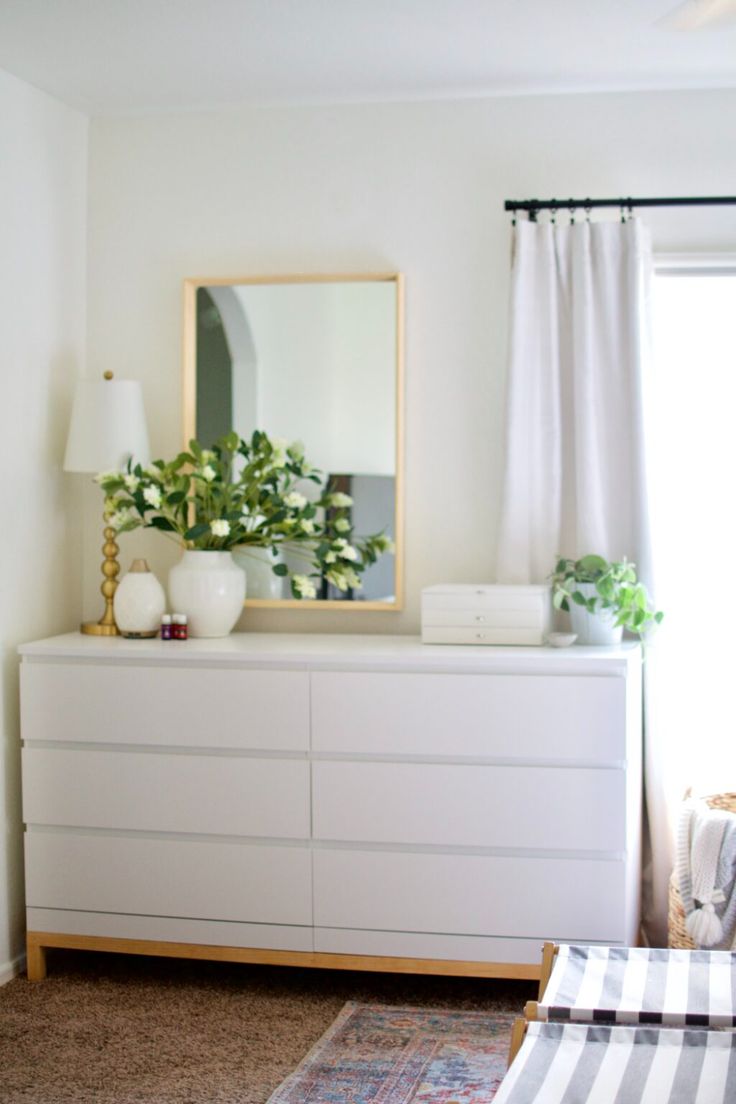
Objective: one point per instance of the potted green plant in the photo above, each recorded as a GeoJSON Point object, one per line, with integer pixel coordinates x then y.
{"type": "Point", "coordinates": [603, 598]}
{"type": "Point", "coordinates": [244, 494]}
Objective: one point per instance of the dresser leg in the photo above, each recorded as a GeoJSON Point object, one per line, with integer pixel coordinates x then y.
{"type": "Point", "coordinates": [35, 959]}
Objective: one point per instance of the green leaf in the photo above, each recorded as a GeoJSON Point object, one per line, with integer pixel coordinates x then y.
{"type": "Point", "coordinates": [162, 523]}
{"type": "Point", "coordinates": [580, 599]}
{"type": "Point", "coordinates": [196, 531]}
{"type": "Point", "coordinates": [280, 569]}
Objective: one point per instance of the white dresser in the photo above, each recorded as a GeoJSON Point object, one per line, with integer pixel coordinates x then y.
{"type": "Point", "coordinates": [348, 801]}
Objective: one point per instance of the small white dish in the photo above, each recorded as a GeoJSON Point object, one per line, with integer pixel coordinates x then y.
{"type": "Point", "coordinates": [561, 640]}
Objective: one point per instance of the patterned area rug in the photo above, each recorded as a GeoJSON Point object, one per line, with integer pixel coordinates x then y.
{"type": "Point", "coordinates": [376, 1054]}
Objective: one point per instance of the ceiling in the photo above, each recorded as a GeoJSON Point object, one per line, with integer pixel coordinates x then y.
{"type": "Point", "coordinates": [131, 56]}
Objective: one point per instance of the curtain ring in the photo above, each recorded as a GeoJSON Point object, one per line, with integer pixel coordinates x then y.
{"type": "Point", "coordinates": [587, 210]}
{"type": "Point", "coordinates": [513, 216]}
{"type": "Point", "coordinates": [553, 212]}
{"type": "Point", "coordinates": [572, 210]}
{"type": "Point", "coordinates": [623, 213]}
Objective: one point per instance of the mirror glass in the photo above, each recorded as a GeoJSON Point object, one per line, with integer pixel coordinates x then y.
{"type": "Point", "coordinates": [315, 360]}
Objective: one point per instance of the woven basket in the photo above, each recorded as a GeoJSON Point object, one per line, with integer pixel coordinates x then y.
{"type": "Point", "coordinates": [677, 935]}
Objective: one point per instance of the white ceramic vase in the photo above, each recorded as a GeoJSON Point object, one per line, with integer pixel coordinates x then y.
{"type": "Point", "coordinates": [209, 588]}
{"type": "Point", "coordinates": [138, 602]}
{"type": "Point", "coordinates": [593, 628]}
{"type": "Point", "coordinates": [258, 565]}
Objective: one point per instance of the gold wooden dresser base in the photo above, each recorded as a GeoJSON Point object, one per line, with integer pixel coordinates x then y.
{"type": "Point", "coordinates": [37, 943]}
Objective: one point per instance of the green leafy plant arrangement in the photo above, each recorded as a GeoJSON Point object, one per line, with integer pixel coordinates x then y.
{"type": "Point", "coordinates": [247, 493]}
{"type": "Point", "coordinates": [617, 590]}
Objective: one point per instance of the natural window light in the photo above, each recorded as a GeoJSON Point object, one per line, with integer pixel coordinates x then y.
{"type": "Point", "coordinates": [693, 486]}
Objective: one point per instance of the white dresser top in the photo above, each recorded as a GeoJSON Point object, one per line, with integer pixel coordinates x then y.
{"type": "Point", "coordinates": [323, 650]}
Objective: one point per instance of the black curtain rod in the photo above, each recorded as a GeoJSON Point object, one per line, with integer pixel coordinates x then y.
{"type": "Point", "coordinates": [625, 202]}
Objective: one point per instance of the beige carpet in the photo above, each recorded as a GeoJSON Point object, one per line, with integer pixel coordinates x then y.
{"type": "Point", "coordinates": [112, 1029]}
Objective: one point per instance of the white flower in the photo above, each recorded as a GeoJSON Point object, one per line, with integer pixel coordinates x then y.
{"type": "Point", "coordinates": [338, 578]}
{"type": "Point", "coordinates": [307, 525]}
{"type": "Point", "coordinates": [122, 518]}
{"type": "Point", "coordinates": [384, 544]}
{"type": "Point", "coordinates": [339, 499]}
{"type": "Point", "coordinates": [132, 482]}
{"type": "Point", "coordinates": [295, 500]}
{"type": "Point", "coordinates": [339, 543]}
{"type": "Point", "coordinates": [152, 472]}
{"type": "Point", "coordinates": [304, 586]}
{"type": "Point", "coordinates": [208, 456]}
{"type": "Point", "coordinates": [220, 527]}
{"type": "Point", "coordinates": [342, 525]}
{"type": "Point", "coordinates": [280, 444]}
{"type": "Point", "coordinates": [352, 578]}
{"type": "Point", "coordinates": [107, 477]}
{"type": "Point", "coordinates": [331, 557]}
{"type": "Point", "coordinates": [152, 496]}
{"type": "Point", "coordinates": [208, 473]}
{"type": "Point", "coordinates": [349, 553]}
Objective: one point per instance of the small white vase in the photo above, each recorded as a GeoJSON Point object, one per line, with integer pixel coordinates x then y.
{"type": "Point", "coordinates": [210, 589]}
{"type": "Point", "coordinates": [258, 564]}
{"type": "Point", "coordinates": [593, 628]}
{"type": "Point", "coordinates": [138, 602]}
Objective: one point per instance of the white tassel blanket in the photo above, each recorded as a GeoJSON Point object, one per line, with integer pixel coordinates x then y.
{"type": "Point", "coordinates": [706, 873]}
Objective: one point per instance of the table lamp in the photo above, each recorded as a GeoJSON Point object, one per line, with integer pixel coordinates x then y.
{"type": "Point", "coordinates": [108, 426]}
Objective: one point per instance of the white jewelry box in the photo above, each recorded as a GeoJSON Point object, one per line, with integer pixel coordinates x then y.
{"type": "Point", "coordinates": [466, 613]}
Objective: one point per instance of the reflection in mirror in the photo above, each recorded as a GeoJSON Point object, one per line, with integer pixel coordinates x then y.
{"type": "Point", "coordinates": [315, 360]}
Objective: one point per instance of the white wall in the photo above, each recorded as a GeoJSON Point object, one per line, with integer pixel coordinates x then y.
{"type": "Point", "coordinates": [416, 188]}
{"type": "Point", "coordinates": [42, 288]}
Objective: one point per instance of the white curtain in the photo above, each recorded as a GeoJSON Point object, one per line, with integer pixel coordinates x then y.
{"type": "Point", "coordinates": [575, 474]}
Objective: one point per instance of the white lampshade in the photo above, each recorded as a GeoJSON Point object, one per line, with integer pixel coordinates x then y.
{"type": "Point", "coordinates": [108, 426]}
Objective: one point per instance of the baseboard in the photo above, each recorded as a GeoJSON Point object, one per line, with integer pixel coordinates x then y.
{"type": "Point", "coordinates": [9, 970]}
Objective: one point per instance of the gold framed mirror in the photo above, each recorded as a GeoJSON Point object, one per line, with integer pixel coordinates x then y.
{"type": "Point", "coordinates": [316, 359]}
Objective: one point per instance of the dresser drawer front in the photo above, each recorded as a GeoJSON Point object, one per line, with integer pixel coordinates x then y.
{"type": "Point", "coordinates": [550, 717]}
{"type": "Point", "coordinates": [200, 707]}
{"type": "Point", "coordinates": [168, 877]}
{"type": "Point", "coordinates": [567, 900]}
{"type": "Point", "coordinates": [524, 807]}
{"type": "Point", "coordinates": [221, 795]}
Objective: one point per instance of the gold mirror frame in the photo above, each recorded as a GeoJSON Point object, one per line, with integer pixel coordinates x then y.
{"type": "Point", "coordinates": [189, 391]}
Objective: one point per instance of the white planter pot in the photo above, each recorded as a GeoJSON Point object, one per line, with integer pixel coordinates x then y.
{"type": "Point", "coordinates": [593, 628]}
{"type": "Point", "coordinates": [258, 566]}
{"type": "Point", "coordinates": [210, 589]}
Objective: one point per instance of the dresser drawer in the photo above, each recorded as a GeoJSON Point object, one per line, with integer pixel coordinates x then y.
{"type": "Point", "coordinates": [186, 706]}
{"type": "Point", "coordinates": [558, 899]}
{"type": "Point", "coordinates": [210, 794]}
{"type": "Point", "coordinates": [523, 807]}
{"type": "Point", "coordinates": [548, 717]}
{"type": "Point", "coordinates": [168, 877]}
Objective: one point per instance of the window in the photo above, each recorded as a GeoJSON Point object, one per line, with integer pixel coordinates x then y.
{"type": "Point", "coordinates": [692, 431]}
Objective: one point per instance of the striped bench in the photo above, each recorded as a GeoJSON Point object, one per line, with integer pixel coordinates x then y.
{"type": "Point", "coordinates": [637, 985]}
{"type": "Point", "coordinates": [610, 1064]}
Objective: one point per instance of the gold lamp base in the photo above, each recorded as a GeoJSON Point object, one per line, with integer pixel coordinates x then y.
{"type": "Point", "coordinates": [96, 628]}
{"type": "Point", "coordinates": [110, 569]}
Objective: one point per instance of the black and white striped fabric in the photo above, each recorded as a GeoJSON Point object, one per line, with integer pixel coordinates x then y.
{"type": "Point", "coordinates": [597, 1064]}
{"type": "Point", "coordinates": [640, 985]}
